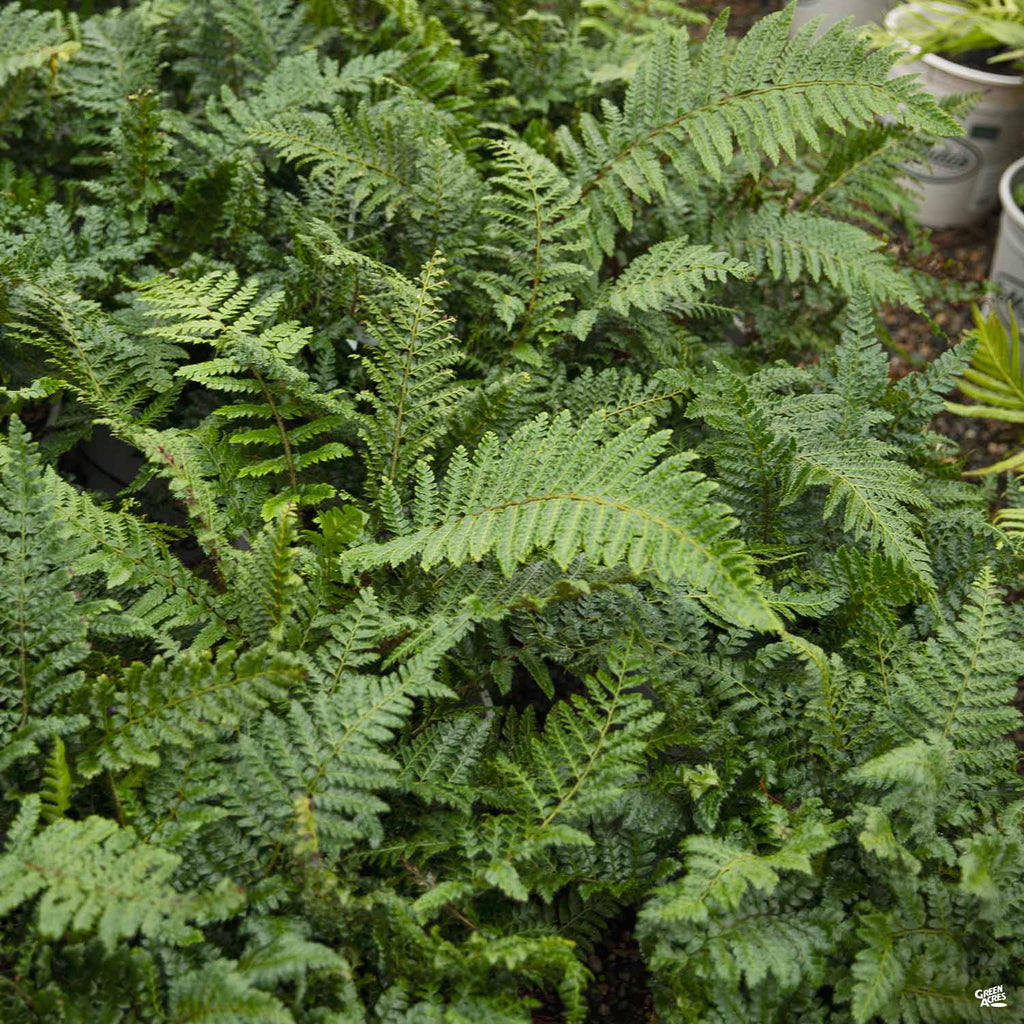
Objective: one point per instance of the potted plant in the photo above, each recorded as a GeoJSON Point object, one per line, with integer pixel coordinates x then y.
{"type": "Point", "coordinates": [1008, 261]}
{"type": "Point", "coordinates": [974, 47]}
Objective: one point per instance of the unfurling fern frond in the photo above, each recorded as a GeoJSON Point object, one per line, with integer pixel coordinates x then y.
{"type": "Point", "coordinates": [564, 491]}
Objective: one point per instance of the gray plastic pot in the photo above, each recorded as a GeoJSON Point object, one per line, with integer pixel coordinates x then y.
{"type": "Point", "coordinates": [960, 181]}
{"type": "Point", "coordinates": [864, 12]}
{"type": "Point", "coordinates": [1008, 261]}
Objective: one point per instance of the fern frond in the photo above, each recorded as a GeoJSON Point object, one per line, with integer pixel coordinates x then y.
{"type": "Point", "coordinates": [537, 221]}
{"type": "Point", "coordinates": [769, 95]}
{"type": "Point", "coordinates": [607, 499]}
{"type": "Point", "coordinates": [962, 681]}
{"type": "Point", "coordinates": [414, 387]}
{"type": "Point", "coordinates": [670, 273]}
{"type": "Point", "coordinates": [42, 623]}
{"type": "Point", "coordinates": [120, 887]}
{"type": "Point", "coordinates": [797, 244]}
{"type": "Point", "coordinates": [176, 704]}
{"type": "Point", "coordinates": [872, 493]}
{"type": "Point", "coordinates": [31, 39]}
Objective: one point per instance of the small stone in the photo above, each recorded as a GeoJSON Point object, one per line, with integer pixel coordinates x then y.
{"type": "Point", "coordinates": [594, 963]}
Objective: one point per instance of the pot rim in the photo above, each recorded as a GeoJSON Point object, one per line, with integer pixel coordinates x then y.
{"type": "Point", "coordinates": [989, 78]}
{"type": "Point", "coordinates": [1011, 209]}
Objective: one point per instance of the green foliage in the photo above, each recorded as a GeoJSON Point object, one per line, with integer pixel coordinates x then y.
{"type": "Point", "coordinates": [518, 531]}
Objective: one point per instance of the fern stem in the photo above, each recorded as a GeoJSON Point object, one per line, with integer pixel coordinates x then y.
{"type": "Point", "coordinates": [286, 444]}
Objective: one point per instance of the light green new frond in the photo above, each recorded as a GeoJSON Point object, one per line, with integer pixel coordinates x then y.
{"type": "Point", "coordinates": [670, 273]}
{"type": "Point", "coordinates": [178, 703]}
{"type": "Point", "coordinates": [411, 369]}
{"type": "Point", "coordinates": [42, 624]}
{"type": "Point", "coordinates": [265, 585]}
{"type": "Point", "coordinates": [719, 874]}
{"type": "Point", "coordinates": [961, 682]}
{"type": "Point", "coordinates": [536, 221]}
{"type": "Point", "coordinates": [564, 491]}
{"type": "Point", "coordinates": [797, 244]}
{"type": "Point", "coordinates": [873, 496]}
{"type": "Point", "coordinates": [55, 792]}
{"type": "Point", "coordinates": [31, 39]}
{"type": "Point", "coordinates": [91, 876]}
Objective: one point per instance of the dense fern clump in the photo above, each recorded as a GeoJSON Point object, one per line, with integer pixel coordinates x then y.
{"type": "Point", "coordinates": [453, 499]}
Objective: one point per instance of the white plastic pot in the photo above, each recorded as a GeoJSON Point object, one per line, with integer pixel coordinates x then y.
{"type": "Point", "coordinates": [960, 182]}
{"type": "Point", "coordinates": [1008, 261]}
{"type": "Point", "coordinates": [864, 12]}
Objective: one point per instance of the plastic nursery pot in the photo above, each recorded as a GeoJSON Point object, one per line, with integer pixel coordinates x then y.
{"type": "Point", "coordinates": [960, 180]}
{"type": "Point", "coordinates": [864, 12]}
{"type": "Point", "coordinates": [1008, 261]}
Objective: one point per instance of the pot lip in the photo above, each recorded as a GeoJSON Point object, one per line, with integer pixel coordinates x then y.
{"type": "Point", "coordinates": [1010, 208]}
{"type": "Point", "coordinates": [989, 78]}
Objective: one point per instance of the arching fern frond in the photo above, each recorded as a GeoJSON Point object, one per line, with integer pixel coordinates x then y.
{"type": "Point", "coordinates": [799, 244]}
{"type": "Point", "coordinates": [765, 98]}
{"type": "Point", "coordinates": [562, 490]}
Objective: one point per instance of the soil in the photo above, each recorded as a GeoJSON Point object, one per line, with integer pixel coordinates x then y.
{"type": "Point", "coordinates": [981, 60]}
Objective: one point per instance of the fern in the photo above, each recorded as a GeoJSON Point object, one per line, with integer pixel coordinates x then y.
{"type": "Point", "coordinates": [669, 273]}
{"type": "Point", "coordinates": [42, 624]}
{"type": "Point", "coordinates": [760, 99]}
{"type": "Point", "coordinates": [536, 212]}
{"type": "Point", "coordinates": [410, 367]}
{"type": "Point", "coordinates": [604, 499]}
{"type": "Point", "coordinates": [120, 887]}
